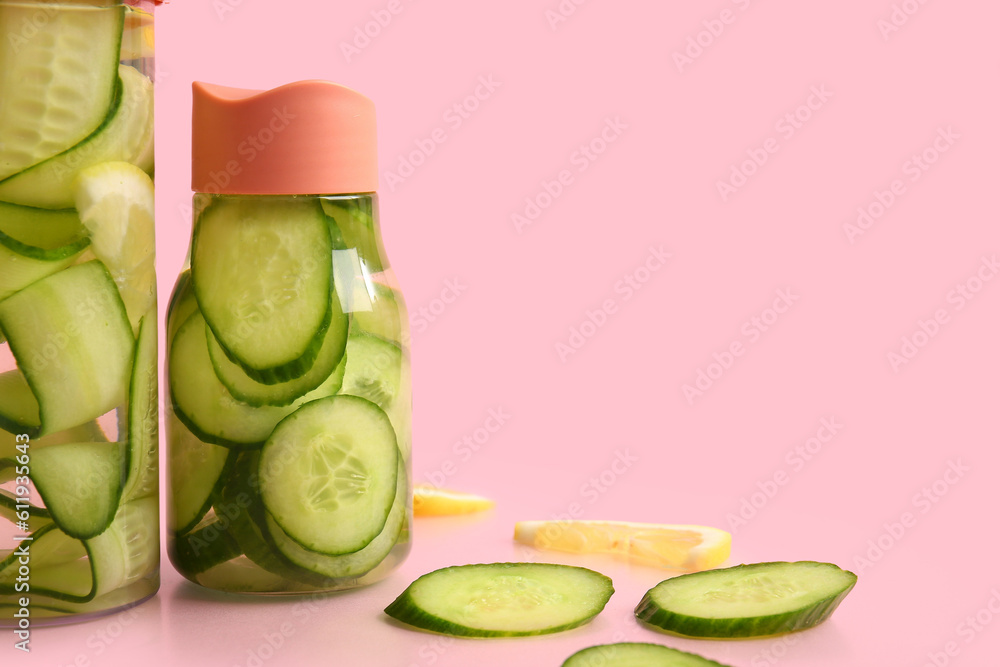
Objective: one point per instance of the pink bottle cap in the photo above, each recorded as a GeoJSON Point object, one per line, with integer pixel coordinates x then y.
{"type": "Point", "coordinates": [303, 138]}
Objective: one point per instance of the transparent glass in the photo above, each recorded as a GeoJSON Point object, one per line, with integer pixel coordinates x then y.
{"type": "Point", "coordinates": [290, 475]}
{"type": "Point", "coordinates": [79, 528]}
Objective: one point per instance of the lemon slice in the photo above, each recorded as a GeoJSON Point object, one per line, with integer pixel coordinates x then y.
{"type": "Point", "coordinates": [432, 501]}
{"type": "Point", "coordinates": [681, 547]}
{"type": "Point", "coordinates": [115, 203]}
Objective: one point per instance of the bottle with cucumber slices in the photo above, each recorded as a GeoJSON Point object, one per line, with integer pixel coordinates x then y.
{"type": "Point", "coordinates": [79, 526]}
{"type": "Point", "coordinates": [288, 361]}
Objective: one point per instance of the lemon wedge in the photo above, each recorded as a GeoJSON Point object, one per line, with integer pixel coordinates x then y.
{"type": "Point", "coordinates": [115, 203]}
{"type": "Point", "coordinates": [680, 547]}
{"type": "Point", "coordinates": [432, 501]}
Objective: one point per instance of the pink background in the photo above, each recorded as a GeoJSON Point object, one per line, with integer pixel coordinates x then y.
{"type": "Point", "coordinates": [886, 98]}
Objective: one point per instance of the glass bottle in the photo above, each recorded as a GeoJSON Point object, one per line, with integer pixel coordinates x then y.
{"type": "Point", "coordinates": [79, 529]}
{"type": "Point", "coordinates": [288, 430]}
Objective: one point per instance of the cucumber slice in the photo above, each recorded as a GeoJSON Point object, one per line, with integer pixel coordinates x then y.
{"type": "Point", "coordinates": [204, 548]}
{"type": "Point", "coordinates": [182, 304]}
{"type": "Point", "coordinates": [386, 317]}
{"type": "Point", "coordinates": [747, 600]}
{"type": "Point", "coordinates": [49, 546]}
{"type": "Point", "coordinates": [35, 243]}
{"type": "Point", "coordinates": [122, 137]}
{"type": "Point", "coordinates": [197, 471]}
{"type": "Point", "coordinates": [262, 277]}
{"type": "Point", "coordinates": [502, 599]}
{"type": "Point", "coordinates": [124, 553]}
{"type": "Point", "coordinates": [242, 575]}
{"type": "Point", "coordinates": [202, 403]}
{"type": "Point", "coordinates": [57, 84]}
{"type": "Point", "coordinates": [142, 454]}
{"type": "Point", "coordinates": [379, 371]}
{"type": "Point", "coordinates": [635, 654]}
{"type": "Point", "coordinates": [354, 217]}
{"type": "Point", "coordinates": [18, 407]}
{"type": "Point", "coordinates": [89, 432]}
{"type": "Point", "coordinates": [73, 342]}
{"type": "Point", "coordinates": [80, 483]}
{"type": "Point", "coordinates": [360, 562]}
{"type": "Point", "coordinates": [328, 474]}
{"type": "Point", "coordinates": [41, 233]}
{"type": "Point", "coordinates": [248, 390]}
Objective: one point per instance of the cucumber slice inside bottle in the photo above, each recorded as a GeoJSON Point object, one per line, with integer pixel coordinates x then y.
{"type": "Point", "coordinates": [328, 474]}
{"type": "Point", "coordinates": [635, 654]}
{"type": "Point", "coordinates": [73, 342]}
{"type": "Point", "coordinates": [502, 599]}
{"type": "Point", "coordinates": [355, 220]}
{"type": "Point", "coordinates": [35, 243]}
{"type": "Point", "coordinates": [18, 406]}
{"type": "Point", "coordinates": [379, 371]}
{"type": "Point", "coordinates": [204, 405]}
{"type": "Point", "coordinates": [747, 600]}
{"type": "Point", "coordinates": [125, 552]}
{"type": "Point", "coordinates": [197, 471]}
{"type": "Point", "coordinates": [246, 389]}
{"type": "Point", "coordinates": [80, 483]}
{"type": "Point", "coordinates": [121, 138]}
{"type": "Point", "coordinates": [143, 415]}
{"type": "Point", "coordinates": [262, 276]}
{"type": "Point", "coordinates": [353, 564]}
{"type": "Point", "coordinates": [59, 83]}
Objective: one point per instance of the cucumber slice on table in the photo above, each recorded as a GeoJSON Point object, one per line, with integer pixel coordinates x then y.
{"type": "Point", "coordinates": [122, 137]}
{"type": "Point", "coordinates": [73, 342]}
{"type": "Point", "coordinates": [747, 600]}
{"type": "Point", "coordinates": [635, 654]}
{"type": "Point", "coordinates": [246, 389]}
{"type": "Point", "coordinates": [35, 243]}
{"type": "Point", "coordinates": [328, 474]}
{"type": "Point", "coordinates": [262, 276]}
{"type": "Point", "coordinates": [59, 83]}
{"type": "Point", "coordinates": [204, 405]}
{"type": "Point", "coordinates": [502, 599]}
